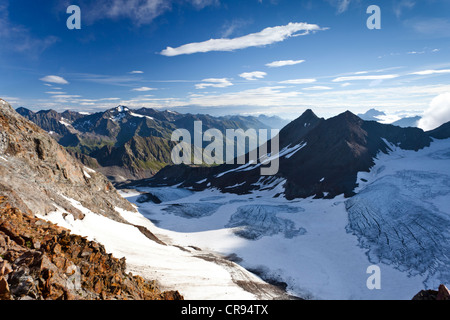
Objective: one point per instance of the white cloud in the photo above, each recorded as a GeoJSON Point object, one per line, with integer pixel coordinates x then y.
{"type": "Point", "coordinates": [262, 38]}
{"type": "Point", "coordinates": [359, 78]}
{"type": "Point", "coordinates": [282, 63]}
{"type": "Point", "coordinates": [55, 92]}
{"type": "Point", "coordinates": [437, 114]}
{"type": "Point", "coordinates": [65, 96]}
{"type": "Point", "coordinates": [430, 72]}
{"type": "Point", "coordinates": [416, 52]}
{"type": "Point", "coordinates": [109, 99]}
{"type": "Point", "coordinates": [298, 81]}
{"type": "Point", "coordinates": [318, 88]}
{"type": "Point", "coordinates": [143, 89]}
{"type": "Point", "coordinates": [54, 79]}
{"type": "Point", "coordinates": [136, 72]}
{"type": "Point", "coordinates": [214, 83]}
{"type": "Point", "coordinates": [253, 75]}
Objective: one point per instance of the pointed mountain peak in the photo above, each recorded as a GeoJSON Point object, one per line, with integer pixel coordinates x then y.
{"type": "Point", "coordinates": [122, 109]}
{"type": "Point", "coordinates": [371, 115]}
{"type": "Point", "coordinates": [308, 113]}
{"type": "Point", "coordinates": [347, 116]}
{"type": "Point", "coordinates": [5, 107]}
{"type": "Point", "coordinates": [297, 129]}
{"type": "Point", "coordinates": [22, 111]}
{"type": "Point", "coordinates": [306, 117]}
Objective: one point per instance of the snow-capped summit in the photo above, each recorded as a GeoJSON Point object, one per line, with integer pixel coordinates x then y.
{"type": "Point", "coordinates": [122, 109]}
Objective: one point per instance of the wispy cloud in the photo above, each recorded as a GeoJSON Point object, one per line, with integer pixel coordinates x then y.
{"type": "Point", "coordinates": [400, 5]}
{"type": "Point", "coordinates": [20, 38]}
{"type": "Point", "coordinates": [138, 11]}
{"type": "Point", "coordinates": [143, 89]}
{"type": "Point", "coordinates": [214, 83]}
{"type": "Point", "coordinates": [341, 5]}
{"type": "Point", "coordinates": [66, 96]}
{"type": "Point", "coordinates": [265, 37]}
{"type": "Point", "coordinates": [314, 88]}
{"type": "Point", "coordinates": [136, 72]}
{"type": "Point", "coordinates": [282, 63]}
{"type": "Point", "coordinates": [251, 76]}
{"type": "Point", "coordinates": [264, 96]}
{"type": "Point", "coordinates": [121, 80]}
{"type": "Point", "coordinates": [362, 78]}
{"type": "Point", "coordinates": [430, 72]}
{"type": "Point", "coordinates": [230, 28]}
{"type": "Point", "coordinates": [298, 81]}
{"type": "Point", "coordinates": [56, 92]}
{"type": "Point", "coordinates": [54, 79]}
{"type": "Point", "coordinates": [430, 27]}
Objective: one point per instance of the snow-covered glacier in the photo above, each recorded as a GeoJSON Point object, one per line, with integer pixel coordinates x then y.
{"type": "Point", "coordinates": [399, 220]}
{"type": "Point", "coordinates": [401, 212]}
{"type": "Point", "coordinates": [262, 220]}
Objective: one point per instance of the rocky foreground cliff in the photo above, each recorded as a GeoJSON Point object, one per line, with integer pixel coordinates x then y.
{"type": "Point", "coordinates": [39, 260]}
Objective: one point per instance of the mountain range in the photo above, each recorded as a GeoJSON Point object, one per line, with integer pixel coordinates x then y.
{"type": "Point", "coordinates": [131, 144]}
{"type": "Point", "coordinates": [318, 157]}
{"type": "Point", "coordinates": [66, 233]}
{"type": "Point", "coordinates": [388, 187]}
{"type": "Point", "coordinates": [404, 122]}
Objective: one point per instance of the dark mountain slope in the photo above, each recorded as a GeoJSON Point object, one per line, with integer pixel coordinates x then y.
{"type": "Point", "coordinates": [442, 132]}
{"type": "Point", "coordinates": [318, 158]}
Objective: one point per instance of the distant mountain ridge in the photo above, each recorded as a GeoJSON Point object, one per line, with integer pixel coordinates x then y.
{"type": "Point", "coordinates": [404, 122]}
{"type": "Point", "coordinates": [129, 144]}
{"type": "Point", "coordinates": [318, 157]}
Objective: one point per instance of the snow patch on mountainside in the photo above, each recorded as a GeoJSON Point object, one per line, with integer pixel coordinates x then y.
{"type": "Point", "coordinates": [197, 274]}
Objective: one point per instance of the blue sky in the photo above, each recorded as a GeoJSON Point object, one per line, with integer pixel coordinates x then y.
{"type": "Point", "coordinates": [226, 57]}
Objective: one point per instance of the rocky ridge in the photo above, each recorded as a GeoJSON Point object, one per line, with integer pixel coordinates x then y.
{"type": "Point", "coordinates": [44, 175]}
{"type": "Point", "coordinates": [39, 260]}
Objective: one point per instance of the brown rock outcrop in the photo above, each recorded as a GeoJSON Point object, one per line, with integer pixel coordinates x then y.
{"type": "Point", "coordinates": [441, 294]}
{"type": "Point", "coordinates": [39, 260]}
